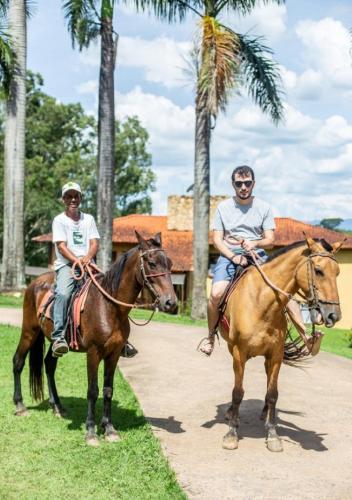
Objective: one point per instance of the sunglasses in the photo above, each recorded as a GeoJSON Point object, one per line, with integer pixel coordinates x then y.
{"type": "Point", "coordinates": [238, 184]}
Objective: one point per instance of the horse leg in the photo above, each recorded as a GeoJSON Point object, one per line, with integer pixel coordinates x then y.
{"type": "Point", "coordinates": [265, 409]}
{"type": "Point", "coordinates": [50, 368]}
{"type": "Point", "coordinates": [230, 440]}
{"type": "Point", "coordinates": [93, 360]}
{"type": "Point", "coordinates": [273, 441]}
{"type": "Point", "coordinates": [26, 341]}
{"type": "Point", "coordinates": [110, 363]}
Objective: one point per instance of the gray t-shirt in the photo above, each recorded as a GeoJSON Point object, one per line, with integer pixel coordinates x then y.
{"type": "Point", "coordinates": [243, 221]}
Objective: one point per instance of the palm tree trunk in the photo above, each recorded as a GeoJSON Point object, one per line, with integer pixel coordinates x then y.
{"type": "Point", "coordinates": [12, 275]}
{"type": "Point", "coordinates": [201, 208]}
{"type": "Point", "coordinates": [106, 140]}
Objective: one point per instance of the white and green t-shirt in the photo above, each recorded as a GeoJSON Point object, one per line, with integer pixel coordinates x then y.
{"type": "Point", "coordinates": [76, 235]}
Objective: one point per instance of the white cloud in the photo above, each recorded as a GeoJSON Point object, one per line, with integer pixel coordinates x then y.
{"type": "Point", "coordinates": [89, 87]}
{"type": "Point", "coordinates": [162, 60]}
{"type": "Point", "coordinates": [309, 85]}
{"type": "Point", "coordinates": [267, 20]}
{"type": "Point", "coordinates": [327, 50]}
{"type": "Point", "coordinates": [302, 166]}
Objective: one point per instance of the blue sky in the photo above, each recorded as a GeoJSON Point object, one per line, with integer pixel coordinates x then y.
{"type": "Point", "coordinates": [303, 167]}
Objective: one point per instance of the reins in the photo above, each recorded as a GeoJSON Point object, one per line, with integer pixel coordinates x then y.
{"type": "Point", "coordinates": [91, 269]}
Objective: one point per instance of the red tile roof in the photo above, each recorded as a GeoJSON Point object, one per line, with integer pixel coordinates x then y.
{"type": "Point", "coordinates": [178, 244]}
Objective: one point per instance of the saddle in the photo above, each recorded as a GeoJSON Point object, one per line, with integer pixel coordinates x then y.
{"type": "Point", "coordinates": [75, 308]}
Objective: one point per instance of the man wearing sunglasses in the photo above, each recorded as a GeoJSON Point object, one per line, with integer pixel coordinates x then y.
{"type": "Point", "coordinates": [242, 223]}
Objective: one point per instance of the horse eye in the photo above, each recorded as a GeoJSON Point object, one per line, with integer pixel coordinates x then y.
{"type": "Point", "coordinates": [318, 271]}
{"type": "Point", "coordinates": [152, 265]}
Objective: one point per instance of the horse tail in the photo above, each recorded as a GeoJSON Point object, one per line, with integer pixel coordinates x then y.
{"type": "Point", "coordinates": [36, 359]}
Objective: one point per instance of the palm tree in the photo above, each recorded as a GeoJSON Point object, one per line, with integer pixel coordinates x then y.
{"type": "Point", "coordinates": [13, 63]}
{"type": "Point", "coordinates": [87, 20]}
{"type": "Point", "coordinates": [226, 60]}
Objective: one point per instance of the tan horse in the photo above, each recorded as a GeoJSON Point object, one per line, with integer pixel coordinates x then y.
{"type": "Point", "coordinates": [257, 322]}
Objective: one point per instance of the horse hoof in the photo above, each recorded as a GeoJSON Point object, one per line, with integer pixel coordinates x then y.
{"type": "Point", "coordinates": [21, 410]}
{"type": "Point", "coordinates": [230, 442]}
{"type": "Point", "coordinates": [22, 413]}
{"type": "Point", "coordinates": [112, 437]}
{"type": "Point", "coordinates": [274, 445]}
{"type": "Point", "coordinates": [92, 441]}
{"type": "Point", "coordinates": [59, 412]}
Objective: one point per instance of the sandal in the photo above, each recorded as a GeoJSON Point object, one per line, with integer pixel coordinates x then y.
{"type": "Point", "coordinates": [206, 345]}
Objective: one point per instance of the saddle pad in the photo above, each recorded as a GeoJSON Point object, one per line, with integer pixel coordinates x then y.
{"type": "Point", "coordinates": [77, 307]}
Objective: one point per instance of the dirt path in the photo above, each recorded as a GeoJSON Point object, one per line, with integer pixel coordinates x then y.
{"type": "Point", "coordinates": [184, 396]}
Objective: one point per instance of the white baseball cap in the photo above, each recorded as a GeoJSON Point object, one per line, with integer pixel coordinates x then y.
{"type": "Point", "coordinates": [71, 185]}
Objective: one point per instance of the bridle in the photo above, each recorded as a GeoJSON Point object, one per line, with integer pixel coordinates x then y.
{"type": "Point", "coordinates": [146, 282]}
{"type": "Point", "coordinates": [312, 300]}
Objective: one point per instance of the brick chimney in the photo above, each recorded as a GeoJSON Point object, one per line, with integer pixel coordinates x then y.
{"type": "Point", "coordinates": [180, 211]}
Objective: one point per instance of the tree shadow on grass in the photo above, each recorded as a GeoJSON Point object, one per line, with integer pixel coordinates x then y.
{"type": "Point", "coordinates": [252, 426]}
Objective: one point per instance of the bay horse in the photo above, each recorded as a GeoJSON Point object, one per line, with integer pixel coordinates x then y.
{"type": "Point", "coordinates": [255, 314]}
{"type": "Point", "coordinates": [104, 328]}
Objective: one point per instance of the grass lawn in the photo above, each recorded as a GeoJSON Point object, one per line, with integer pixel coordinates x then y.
{"type": "Point", "coordinates": [46, 457]}
{"type": "Point", "coordinates": [10, 300]}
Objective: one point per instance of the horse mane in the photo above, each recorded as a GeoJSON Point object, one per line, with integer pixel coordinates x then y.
{"type": "Point", "coordinates": [111, 279]}
{"type": "Point", "coordinates": [297, 244]}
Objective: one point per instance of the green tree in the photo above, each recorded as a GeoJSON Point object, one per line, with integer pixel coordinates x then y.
{"type": "Point", "coordinates": [331, 223]}
{"type": "Point", "coordinates": [225, 60]}
{"type": "Point", "coordinates": [87, 21]}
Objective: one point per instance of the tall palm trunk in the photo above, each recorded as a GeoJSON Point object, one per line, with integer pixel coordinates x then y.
{"type": "Point", "coordinates": [201, 207]}
{"type": "Point", "coordinates": [106, 139]}
{"type": "Point", "coordinates": [12, 276]}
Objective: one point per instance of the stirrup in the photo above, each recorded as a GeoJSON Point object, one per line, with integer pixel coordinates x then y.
{"type": "Point", "coordinates": [208, 341]}
{"type": "Point", "coordinates": [315, 342]}
{"type": "Point", "coordinates": [59, 348]}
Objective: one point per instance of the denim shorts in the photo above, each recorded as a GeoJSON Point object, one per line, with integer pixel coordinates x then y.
{"type": "Point", "coordinates": [224, 269]}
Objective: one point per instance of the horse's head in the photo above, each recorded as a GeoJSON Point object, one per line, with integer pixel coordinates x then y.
{"type": "Point", "coordinates": [317, 278]}
{"type": "Point", "coordinates": [156, 272]}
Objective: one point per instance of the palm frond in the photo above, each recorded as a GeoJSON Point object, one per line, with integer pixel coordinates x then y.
{"type": "Point", "coordinates": [242, 7]}
{"type": "Point", "coordinates": [219, 66]}
{"type": "Point", "coordinates": [7, 62]}
{"type": "Point", "coordinates": [82, 22]}
{"type": "Point", "coordinates": [261, 76]}
{"type": "Point", "coordinates": [167, 10]}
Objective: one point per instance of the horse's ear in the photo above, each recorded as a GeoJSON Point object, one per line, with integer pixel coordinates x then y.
{"type": "Point", "coordinates": [312, 245]}
{"type": "Point", "coordinates": [337, 246]}
{"type": "Point", "coordinates": [157, 239]}
{"type": "Point", "coordinates": [140, 239]}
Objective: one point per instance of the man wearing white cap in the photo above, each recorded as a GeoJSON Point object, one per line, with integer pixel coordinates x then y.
{"type": "Point", "coordinates": [75, 237]}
